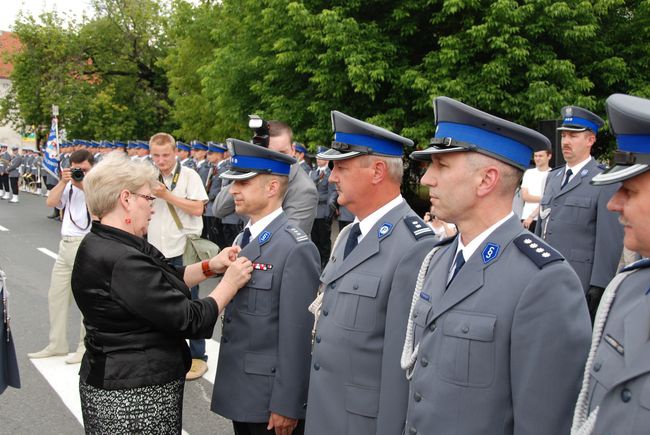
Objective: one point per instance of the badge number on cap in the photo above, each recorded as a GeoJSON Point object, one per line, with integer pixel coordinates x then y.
{"type": "Point", "coordinates": [490, 252]}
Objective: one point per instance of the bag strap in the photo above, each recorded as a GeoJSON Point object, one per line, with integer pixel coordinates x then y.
{"type": "Point", "coordinates": [177, 220]}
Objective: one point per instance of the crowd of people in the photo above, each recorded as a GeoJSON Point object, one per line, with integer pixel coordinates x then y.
{"type": "Point", "coordinates": [475, 319]}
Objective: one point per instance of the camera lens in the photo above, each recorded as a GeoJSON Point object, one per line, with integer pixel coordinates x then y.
{"type": "Point", "coordinates": [77, 174]}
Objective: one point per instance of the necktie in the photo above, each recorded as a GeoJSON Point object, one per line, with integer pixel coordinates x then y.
{"type": "Point", "coordinates": [459, 261]}
{"type": "Point", "coordinates": [353, 237]}
{"type": "Point", "coordinates": [246, 237]}
{"type": "Point", "coordinates": [569, 173]}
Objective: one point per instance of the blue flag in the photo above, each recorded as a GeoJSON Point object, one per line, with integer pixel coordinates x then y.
{"type": "Point", "coordinates": [51, 154]}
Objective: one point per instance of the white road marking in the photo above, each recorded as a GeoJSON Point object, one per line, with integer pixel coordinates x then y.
{"type": "Point", "coordinates": [64, 378]}
{"type": "Point", "coordinates": [3, 228]}
{"type": "Point", "coordinates": [48, 252]}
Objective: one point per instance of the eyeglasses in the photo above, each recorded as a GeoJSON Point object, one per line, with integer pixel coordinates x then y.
{"type": "Point", "coordinates": [151, 199]}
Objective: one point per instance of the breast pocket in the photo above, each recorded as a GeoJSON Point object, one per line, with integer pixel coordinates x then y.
{"type": "Point", "coordinates": [578, 208]}
{"type": "Point", "coordinates": [466, 355]}
{"type": "Point", "coordinates": [356, 301]}
{"type": "Point", "coordinates": [257, 298]}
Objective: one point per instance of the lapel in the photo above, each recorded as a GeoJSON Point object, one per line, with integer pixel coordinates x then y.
{"type": "Point", "coordinates": [369, 246]}
{"type": "Point", "coordinates": [586, 171]}
{"type": "Point", "coordinates": [253, 250]}
{"type": "Point", "coordinates": [554, 183]}
{"type": "Point", "coordinates": [471, 277]}
{"type": "Point", "coordinates": [636, 337]}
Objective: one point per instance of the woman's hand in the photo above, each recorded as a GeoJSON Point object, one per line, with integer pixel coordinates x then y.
{"type": "Point", "coordinates": [220, 262]}
{"type": "Point", "coordinates": [239, 272]}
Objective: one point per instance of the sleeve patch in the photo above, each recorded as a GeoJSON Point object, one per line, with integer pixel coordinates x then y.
{"type": "Point", "coordinates": [417, 227]}
{"type": "Point", "coordinates": [297, 234]}
{"type": "Point", "coordinates": [539, 252]}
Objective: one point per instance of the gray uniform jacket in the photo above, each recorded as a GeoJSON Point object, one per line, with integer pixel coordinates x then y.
{"type": "Point", "coordinates": [299, 203]}
{"type": "Point", "coordinates": [5, 159]}
{"type": "Point", "coordinates": [356, 384]}
{"type": "Point", "coordinates": [326, 192]}
{"type": "Point", "coordinates": [304, 165]}
{"type": "Point", "coordinates": [189, 163]}
{"type": "Point", "coordinates": [502, 349]}
{"type": "Point", "coordinates": [204, 170]}
{"type": "Point", "coordinates": [14, 167]}
{"type": "Point", "coordinates": [620, 375]}
{"type": "Point", "coordinates": [580, 226]}
{"type": "Point", "coordinates": [265, 342]}
{"type": "Point", "coordinates": [223, 205]}
{"type": "Point", "coordinates": [213, 186]}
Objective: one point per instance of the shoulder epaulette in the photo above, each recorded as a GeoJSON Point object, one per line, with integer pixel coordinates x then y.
{"type": "Point", "coordinates": [417, 227]}
{"type": "Point", "coordinates": [297, 234]}
{"type": "Point", "coordinates": [539, 252]}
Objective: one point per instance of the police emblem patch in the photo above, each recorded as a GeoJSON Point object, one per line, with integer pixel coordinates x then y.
{"type": "Point", "coordinates": [264, 237]}
{"type": "Point", "coordinates": [584, 172]}
{"type": "Point", "coordinates": [490, 252]}
{"type": "Point", "coordinates": [384, 229]}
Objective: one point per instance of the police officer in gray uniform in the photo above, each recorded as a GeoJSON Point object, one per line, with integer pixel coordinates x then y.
{"type": "Point", "coordinates": [321, 232]}
{"type": "Point", "coordinates": [499, 326]}
{"type": "Point", "coordinates": [5, 159]}
{"type": "Point", "coordinates": [263, 369]}
{"type": "Point", "coordinates": [356, 385]}
{"type": "Point", "coordinates": [14, 173]}
{"type": "Point", "coordinates": [573, 213]}
{"type": "Point", "coordinates": [615, 395]}
{"type": "Point", "coordinates": [183, 154]}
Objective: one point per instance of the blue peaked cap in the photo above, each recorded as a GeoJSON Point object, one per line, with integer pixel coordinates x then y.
{"type": "Point", "coordinates": [460, 127]}
{"type": "Point", "coordinates": [576, 118]}
{"type": "Point", "coordinates": [198, 145]}
{"type": "Point", "coordinates": [248, 160]}
{"type": "Point", "coordinates": [182, 146]}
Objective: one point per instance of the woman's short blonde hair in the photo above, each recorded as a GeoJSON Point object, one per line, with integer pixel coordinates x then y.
{"type": "Point", "coordinates": [115, 173]}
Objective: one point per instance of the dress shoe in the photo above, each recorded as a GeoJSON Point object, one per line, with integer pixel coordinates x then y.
{"type": "Point", "coordinates": [75, 358]}
{"type": "Point", "coordinates": [45, 353]}
{"type": "Point", "coordinates": [198, 369]}
{"type": "Point", "coordinates": [7, 195]}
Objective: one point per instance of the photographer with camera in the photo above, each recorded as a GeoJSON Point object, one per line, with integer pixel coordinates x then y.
{"type": "Point", "coordinates": [301, 199]}
{"type": "Point", "coordinates": [67, 196]}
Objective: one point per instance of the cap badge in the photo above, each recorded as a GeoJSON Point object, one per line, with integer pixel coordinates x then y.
{"type": "Point", "coordinates": [569, 112]}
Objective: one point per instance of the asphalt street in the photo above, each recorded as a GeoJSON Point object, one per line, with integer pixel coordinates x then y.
{"type": "Point", "coordinates": [48, 400]}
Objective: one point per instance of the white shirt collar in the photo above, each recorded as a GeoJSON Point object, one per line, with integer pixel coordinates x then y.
{"type": "Point", "coordinates": [369, 221]}
{"type": "Point", "coordinates": [577, 168]}
{"type": "Point", "coordinates": [478, 240]}
{"type": "Point", "coordinates": [259, 226]}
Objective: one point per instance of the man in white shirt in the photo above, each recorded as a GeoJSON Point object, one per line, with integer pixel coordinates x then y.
{"type": "Point", "coordinates": [67, 196]}
{"type": "Point", "coordinates": [532, 188]}
{"type": "Point", "coordinates": [181, 190]}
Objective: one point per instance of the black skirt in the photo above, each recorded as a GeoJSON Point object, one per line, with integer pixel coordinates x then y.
{"type": "Point", "coordinates": [152, 409]}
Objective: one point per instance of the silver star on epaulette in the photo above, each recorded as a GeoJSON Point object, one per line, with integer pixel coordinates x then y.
{"type": "Point", "coordinates": [539, 250]}
{"type": "Point", "coordinates": [546, 254]}
{"type": "Point", "coordinates": [533, 245]}
{"type": "Point", "coordinates": [528, 241]}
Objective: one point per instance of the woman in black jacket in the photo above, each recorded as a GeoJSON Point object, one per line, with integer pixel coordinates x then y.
{"type": "Point", "coordinates": [137, 308]}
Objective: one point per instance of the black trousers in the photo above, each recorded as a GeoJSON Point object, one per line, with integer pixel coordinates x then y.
{"type": "Point", "coordinates": [260, 428]}
{"type": "Point", "coordinates": [13, 181]}
{"type": "Point", "coordinates": [321, 235]}
{"type": "Point", "coordinates": [4, 182]}
{"type": "Point", "coordinates": [212, 230]}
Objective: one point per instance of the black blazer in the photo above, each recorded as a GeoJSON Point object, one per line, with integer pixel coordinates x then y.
{"type": "Point", "coordinates": [137, 311]}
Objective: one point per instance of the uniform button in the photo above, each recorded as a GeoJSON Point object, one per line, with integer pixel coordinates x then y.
{"type": "Point", "coordinates": [333, 285]}
{"type": "Point", "coordinates": [272, 369]}
{"type": "Point", "coordinates": [432, 327]}
{"type": "Point", "coordinates": [356, 286]}
{"type": "Point", "coordinates": [417, 397]}
{"type": "Point", "coordinates": [252, 281]}
{"type": "Point", "coordinates": [424, 362]}
{"type": "Point", "coordinates": [626, 395]}
{"type": "Point", "coordinates": [318, 339]}
{"type": "Point", "coordinates": [304, 405]}
{"type": "Point", "coordinates": [325, 313]}
{"type": "Point", "coordinates": [415, 315]}
{"type": "Point", "coordinates": [413, 431]}
{"type": "Point", "coordinates": [597, 366]}
{"type": "Point", "coordinates": [464, 329]}
{"type": "Point", "coordinates": [316, 366]}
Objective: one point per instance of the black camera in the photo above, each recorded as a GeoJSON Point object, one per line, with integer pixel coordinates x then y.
{"type": "Point", "coordinates": [77, 174]}
{"type": "Point", "coordinates": [260, 130]}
